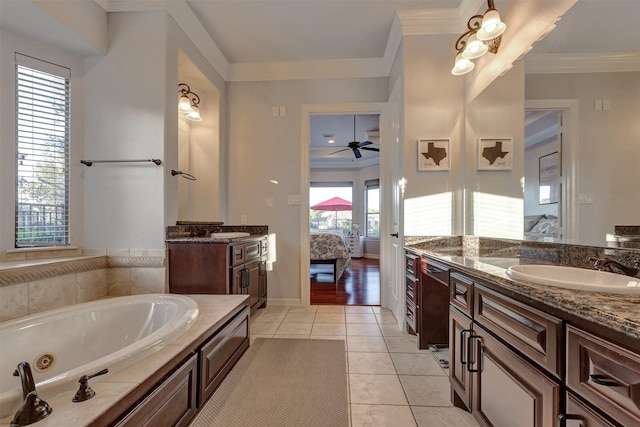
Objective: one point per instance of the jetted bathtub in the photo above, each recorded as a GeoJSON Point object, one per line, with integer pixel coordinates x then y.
{"type": "Point", "coordinates": [63, 344]}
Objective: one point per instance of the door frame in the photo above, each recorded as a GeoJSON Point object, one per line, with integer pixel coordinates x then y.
{"type": "Point", "coordinates": [306, 111]}
{"type": "Point", "coordinates": [569, 192]}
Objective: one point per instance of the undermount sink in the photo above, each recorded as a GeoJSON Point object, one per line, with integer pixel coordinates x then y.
{"type": "Point", "coordinates": [576, 278]}
{"type": "Point", "coordinates": [229, 235]}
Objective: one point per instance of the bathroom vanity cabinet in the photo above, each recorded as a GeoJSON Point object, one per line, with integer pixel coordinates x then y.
{"type": "Point", "coordinates": [183, 387]}
{"type": "Point", "coordinates": [427, 300]}
{"type": "Point", "coordinates": [514, 364]}
{"type": "Point", "coordinates": [235, 267]}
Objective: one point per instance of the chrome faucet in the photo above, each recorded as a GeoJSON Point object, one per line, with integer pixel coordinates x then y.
{"type": "Point", "coordinates": [613, 266]}
{"type": "Point", "coordinates": [33, 408]}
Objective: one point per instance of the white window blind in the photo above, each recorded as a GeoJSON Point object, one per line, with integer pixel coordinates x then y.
{"type": "Point", "coordinates": [42, 153]}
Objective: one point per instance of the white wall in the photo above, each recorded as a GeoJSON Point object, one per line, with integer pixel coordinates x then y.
{"type": "Point", "coordinates": [264, 148]}
{"type": "Point", "coordinates": [608, 145]}
{"type": "Point", "coordinates": [433, 108]}
{"type": "Point", "coordinates": [9, 44]}
{"type": "Point", "coordinates": [494, 206]}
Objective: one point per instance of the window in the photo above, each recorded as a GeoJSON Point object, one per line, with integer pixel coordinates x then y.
{"type": "Point", "coordinates": [333, 205]}
{"type": "Point", "coordinates": [372, 200]}
{"type": "Point", "coordinates": [42, 153]}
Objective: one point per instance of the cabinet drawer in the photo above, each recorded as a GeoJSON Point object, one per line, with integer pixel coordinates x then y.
{"type": "Point", "coordinates": [412, 264]}
{"type": "Point", "coordinates": [439, 272]}
{"type": "Point", "coordinates": [461, 293]}
{"type": "Point", "coordinates": [580, 415]}
{"type": "Point", "coordinates": [173, 403]}
{"type": "Point", "coordinates": [252, 251]}
{"type": "Point", "coordinates": [534, 333]}
{"type": "Point", "coordinates": [605, 374]}
{"type": "Point", "coordinates": [219, 354]}
{"type": "Point", "coordinates": [412, 289]}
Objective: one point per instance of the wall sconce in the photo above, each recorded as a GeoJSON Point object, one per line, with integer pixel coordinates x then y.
{"type": "Point", "coordinates": [484, 34]}
{"type": "Point", "coordinates": [188, 103]}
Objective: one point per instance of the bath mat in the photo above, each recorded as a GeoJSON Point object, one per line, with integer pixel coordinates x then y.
{"type": "Point", "coordinates": [282, 382]}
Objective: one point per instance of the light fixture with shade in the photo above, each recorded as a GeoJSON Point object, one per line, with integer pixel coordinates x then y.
{"type": "Point", "coordinates": [484, 34]}
{"type": "Point", "coordinates": [188, 103]}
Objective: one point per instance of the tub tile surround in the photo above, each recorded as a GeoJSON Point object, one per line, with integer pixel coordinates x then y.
{"type": "Point", "coordinates": [113, 387]}
{"type": "Point", "coordinates": [39, 280]}
{"type": "Point", "coordinates": [488, 259]}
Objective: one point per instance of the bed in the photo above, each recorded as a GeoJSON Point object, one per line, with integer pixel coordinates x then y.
{"type": "Point", "coordinates": [330, 248]}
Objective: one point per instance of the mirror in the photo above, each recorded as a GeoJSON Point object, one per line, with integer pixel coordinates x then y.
{"type": "Point", "coordinates": [587, 70]}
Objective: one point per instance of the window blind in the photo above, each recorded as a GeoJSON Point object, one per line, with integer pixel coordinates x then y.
{"type": "Point", "coordinates": [42, 153]}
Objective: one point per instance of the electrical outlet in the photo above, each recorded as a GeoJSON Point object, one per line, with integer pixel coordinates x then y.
{"type": "Point", "coordinates": [585, 198]}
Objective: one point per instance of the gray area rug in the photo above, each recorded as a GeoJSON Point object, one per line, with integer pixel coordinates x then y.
{"type": "Point", "coordinates": [282, 382]}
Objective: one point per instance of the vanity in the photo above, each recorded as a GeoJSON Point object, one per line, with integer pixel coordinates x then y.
{"type": "Point", "coordinates": [535, 355]}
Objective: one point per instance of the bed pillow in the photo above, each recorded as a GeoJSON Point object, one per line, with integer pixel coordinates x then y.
{"type": "Point", "coordinates": [546, 226]}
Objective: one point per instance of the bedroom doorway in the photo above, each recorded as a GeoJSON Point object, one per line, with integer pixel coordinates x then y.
{"type": "Point", "coordinates": [344, 218]}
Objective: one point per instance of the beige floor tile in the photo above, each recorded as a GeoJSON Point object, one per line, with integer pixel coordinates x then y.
{"type": "Point", "coordinates": [330, 318]}
{"type": "Point", "coordinates": [386, 319]}
{"type": "Point", "coordinates": [268, 316]}
{"type": "Point", "coordinates": [370, 363]}
{"type": "Point", "coordinates": [391, 331]}
{"type": "Point", "coordinates": [328, 329]}
{"type": "Point", "coordinates": [443, 417]}
{"type": "Point", "coordinates": [304, 310]}
{"type": "Point", "coordinates": [381, 416]}
{"type": "Point", "coordinates": [330, 309]}
{"type": "Point", "coordinates": [292, 336]}
{"type": "Point", "coordinates": [416, 364]}
{"type": "Point", "coordinates": [366, 344]}
{"type": "Point", "coordinates": [376, 389]}
{"type": "Point", "coordinates": [329, 337]}
{"type": "Point", "coordinates": [361, 318]}
{"type": "Point", "coordinates": [426, 390]}
{"type": "Point", "coordinates": [268, 328]}
{"type": "Point", "coordinates": [367, 329]}
{"type": "Point", "coordinates": [253, 337]}
{"type": "Point", "coordinates": [299, 317]}
{"type": "Point", "coordinates": [358, 309]}
{"type": "Point", "coordinates": [294, 329]}
{"type": "Point", "coordinates": [403, 344]}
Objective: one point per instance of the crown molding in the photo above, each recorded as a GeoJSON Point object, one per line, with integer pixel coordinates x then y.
{"type": "Point", "coordinates": [553, 63]}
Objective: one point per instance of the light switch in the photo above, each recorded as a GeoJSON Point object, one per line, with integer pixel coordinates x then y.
{"type": "Point", "coordinates": [283, 110]}
{"type": "Point", "coordinates": [585, 198]}
{"type": "Point", "coordinates": [275, 111]}
{"type": "Point", "coordinates": [606, 104]}
{"type": "Point", "coordinates": [597, 105]}
{"type": "Point", "coordinates": [243, 219]}
{"type": "Point", "coordinates": [293, 199]}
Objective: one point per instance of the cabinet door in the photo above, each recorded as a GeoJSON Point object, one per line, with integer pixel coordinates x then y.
{"type": "Point", "coordinates": [507, 390]}
{"type": "Point", "coordinates": [262, 300]}
{"type": "Point", "coordinates": [459, 375]}
{"type": "Point", "coordinates": [253, 283]}
{"type": "Point", "coordinates": [433, 307]}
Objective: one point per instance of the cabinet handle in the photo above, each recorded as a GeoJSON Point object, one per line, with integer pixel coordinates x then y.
{"type": "Point", "coordinates": [562, 419]}
{"type": "Point", "coordinates": [602, 380]}
{"type": "Point", "coordinates": [469, 360]}
{"type": "Point", "coordinates": [462, 332]}
{"type": "Point", "coordinates": [460, 293]}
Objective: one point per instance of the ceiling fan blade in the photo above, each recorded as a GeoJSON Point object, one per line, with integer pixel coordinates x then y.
{"type": "Point", "coordinates": [370, 148]}
{"type": "Point", "coordinates": [362, 144]}
{"type": "Point", "coordinates": [339, 151]}
{"type": "Point", "coordinates": [357, 153]}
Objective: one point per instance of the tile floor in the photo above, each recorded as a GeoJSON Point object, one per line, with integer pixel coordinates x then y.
{"type": "Point", "coordinates": [391, 381]}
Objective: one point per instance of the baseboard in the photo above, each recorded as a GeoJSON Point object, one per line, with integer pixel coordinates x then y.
{"type": "Point", "coordinates": [372, 256]}
{"type": "Point", "coordinates": [284, 302]}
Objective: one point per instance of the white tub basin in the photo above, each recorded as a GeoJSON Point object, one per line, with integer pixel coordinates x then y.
{"type": "Point", "coordinates": [63, 344]}
{"type": "Point", "coordinates": [576, 278]}
{"type": "Point", "coordinates": [229, 235]}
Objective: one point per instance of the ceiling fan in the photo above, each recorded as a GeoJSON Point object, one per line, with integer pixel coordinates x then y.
{"type": "Point", "coordinates": [355, 146]}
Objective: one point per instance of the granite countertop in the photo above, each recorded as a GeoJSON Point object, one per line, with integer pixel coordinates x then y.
{"type": "Point", "coordinates": [600, 311]}
{"type": "Point", "coordinates": [110, 389]}
{"type": "Point", "coordinates": [201, 239]}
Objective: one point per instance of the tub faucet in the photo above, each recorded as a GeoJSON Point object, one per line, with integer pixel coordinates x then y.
{"type": "Point", "coordinates": [33, 408]}
{"type": "Point", "coordinates": [611, 265]}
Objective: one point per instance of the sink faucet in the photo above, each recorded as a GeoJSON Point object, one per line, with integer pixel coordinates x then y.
{"type": "Point", "coordinates": [33, 408]}
{"type": "Point", "coordinates": [611, 265]}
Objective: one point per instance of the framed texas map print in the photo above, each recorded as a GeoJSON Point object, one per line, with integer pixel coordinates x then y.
{"type": "Point", "coordinates": [495, 153]}
{"type": "Point", "coordinates": [433, 155]}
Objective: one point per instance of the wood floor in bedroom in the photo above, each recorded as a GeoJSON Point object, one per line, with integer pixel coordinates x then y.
{"type": "Point", "coordinates": [359, 284]}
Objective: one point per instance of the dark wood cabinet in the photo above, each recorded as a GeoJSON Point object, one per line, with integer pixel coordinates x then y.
{"type": "Point", "coordinates": [220, 268]}
{"type": "Point", "coordinates": [579, 414]}
{"type": "Point", "coordinates": [488, 373]}
{"type": "Point", "coordinates": [412, 283]}
{"type": "Point", "coordinates": [433, 328]}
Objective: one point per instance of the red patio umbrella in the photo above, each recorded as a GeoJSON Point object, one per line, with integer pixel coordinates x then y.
{"type": "Point", "coordinates": [334, 204]}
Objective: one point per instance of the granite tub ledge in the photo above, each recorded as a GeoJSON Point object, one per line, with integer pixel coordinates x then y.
{"type": "Point", "coordinates": [113, 390]}
{"type": "Point", "coordinates": [608, 314]}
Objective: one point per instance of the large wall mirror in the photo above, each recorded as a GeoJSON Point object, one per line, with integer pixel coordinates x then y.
{"type": "Point", "coordinates": [581, 136]}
